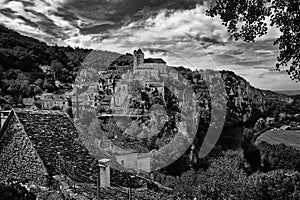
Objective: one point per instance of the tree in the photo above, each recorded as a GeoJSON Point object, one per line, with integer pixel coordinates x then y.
{"type": "Point", "coordinates": [246, 20]}
{"type": "Point", "coordinates": [49, 84]}
{"type": "Point", "coordinates": [19, 86]}
{"type": "Point", "coordinates": [224, 179]}
{"type": "Point", "coordinates": [252, 155]}
{"type": "Point", "coordinates": [15, 191]}
{"type": "Point", "coordinates": [279, 157]}
{"type": "Point", "coordinates": [95, 129]}
{"type": "Point", "coordinates": [56, 69]}
{"type": "Point", "coordinates": [275, 185]}
{"type": "Point", "coordinates": [187, 184]}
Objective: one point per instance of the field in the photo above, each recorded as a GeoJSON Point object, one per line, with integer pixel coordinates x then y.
{"type": "Point", "coordinates": [289, 137]}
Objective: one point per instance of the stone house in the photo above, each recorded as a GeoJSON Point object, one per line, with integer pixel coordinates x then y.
{"type": "Point", "coordinates": [49, 101]}
{"type": "Point", "coordinates": [128, 158]}
{"type": "Point", "coordinates": [139, 162]}
{"type": "Point", "coordinates": [32, 144]}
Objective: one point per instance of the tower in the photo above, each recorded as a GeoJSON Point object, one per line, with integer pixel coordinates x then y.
{"type": "Point", "coordinates": [140, 57]}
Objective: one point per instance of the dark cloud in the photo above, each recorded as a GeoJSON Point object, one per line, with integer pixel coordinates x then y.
{"type": "Point", "coordinates": [14, 15]}
{"type": "Point", "coordinates": [153, 51]}
{"type": "Point", "coordinates": [118, 13]}
{"type": "Point", "coordinates": [8, 12]}
{"type": "Point", "coordinates": [97, 29]}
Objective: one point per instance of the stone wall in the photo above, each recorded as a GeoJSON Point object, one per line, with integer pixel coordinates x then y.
{"type": "Point", "coordinates": [18, 159]}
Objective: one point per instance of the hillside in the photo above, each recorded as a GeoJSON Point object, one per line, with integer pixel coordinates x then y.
{"type": "Point", "coordinates": [29, 66]}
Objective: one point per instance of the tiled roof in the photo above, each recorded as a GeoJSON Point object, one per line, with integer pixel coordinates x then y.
{"type": "Point", "coordinates": [154, 60]}
{"type": "Point", "coordinates": [139, 51]}
{"type": "Point", "coordinates": [52, 132]}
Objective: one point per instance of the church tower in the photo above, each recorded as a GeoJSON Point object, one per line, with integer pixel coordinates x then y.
{"type": "Point", "coordinates": [140, 57]}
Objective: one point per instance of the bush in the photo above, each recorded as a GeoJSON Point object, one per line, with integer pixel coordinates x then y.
{"type": "Point", "coordinates": [280, 156]}
{"type": "Point", "coordinates": [15, 191]}
{"type": "Point", "coordinates": [275, 185]}
{"type": "Point", "coordinates": [222, 180]}
{"type": "Point", "coordinates": [226, 180]}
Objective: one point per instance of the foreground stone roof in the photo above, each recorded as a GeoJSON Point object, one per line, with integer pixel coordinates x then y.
{"type": "Point", "coordinates": [53, 132]}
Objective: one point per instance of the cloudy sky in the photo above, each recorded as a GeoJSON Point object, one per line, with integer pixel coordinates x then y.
{"type": "Point", "coordinates": [177, 30]}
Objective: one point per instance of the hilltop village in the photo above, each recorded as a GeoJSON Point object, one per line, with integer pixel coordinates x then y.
{"type": "Point", "coordinates": [127, 94]}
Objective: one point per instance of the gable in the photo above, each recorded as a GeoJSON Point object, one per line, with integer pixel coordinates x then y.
{"type": "Point", "coordinates": [52, 132]}
{"type": "Point", "coordinates": [18, 159]}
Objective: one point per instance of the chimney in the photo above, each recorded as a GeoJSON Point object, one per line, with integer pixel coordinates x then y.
{"type": "Point", "coordinates": [104, 176]}
{"type": "Point", "coordinates": [104, 173]}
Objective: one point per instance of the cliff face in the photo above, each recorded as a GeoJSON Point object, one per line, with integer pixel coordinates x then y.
{"type": "Point", "coordinates": [246, 103]}
{"type": "Point", "coordinates": [225, 94]}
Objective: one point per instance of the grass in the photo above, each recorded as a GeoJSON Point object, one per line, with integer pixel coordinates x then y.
{"type": "Point", "coordinates": [289, 137]}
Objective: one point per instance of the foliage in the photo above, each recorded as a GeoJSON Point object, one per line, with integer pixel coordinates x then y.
{"type": "Point", "coordinates": [15, 191]}
{"type": "Point", "coordinates": [95, 129]}
{"type": "Point", "coordinates": [275, 185]}
{"type": "Point", "coordinates": [222, 180]}
{"type": "Point", "coordinates": [86, 117]}
{"type": "Point", "coordinates": [225, 179]}
{"type": "Point", "coordinates": [252, 155]}
{"type": "Point", "coordinates": [279, 157]}
{"type": "Point", "coordinates": [246, 20]}
{"type": "Point", "coordinates": [186, 185]}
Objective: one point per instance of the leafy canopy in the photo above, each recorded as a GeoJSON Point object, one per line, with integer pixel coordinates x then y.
{"type": "Point", "coordinates": [246, 20]}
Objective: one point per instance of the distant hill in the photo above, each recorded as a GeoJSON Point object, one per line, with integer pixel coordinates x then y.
{"type": "Point", "coordinates": [289, 92]}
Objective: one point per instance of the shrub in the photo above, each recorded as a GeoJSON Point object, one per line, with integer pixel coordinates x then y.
{"type": "Point", "coordinates": [279, 157]}
{"type": "Point", "coordinates": [275, 185]}
{"type": "Point", "coordinates": [15, 191]}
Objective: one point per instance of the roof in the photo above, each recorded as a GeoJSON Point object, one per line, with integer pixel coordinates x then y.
{"type": "Point", "coordinates": [139, 51]}
{"type": "Point", "coordinates": [53, 132]}
{"type": "Point", "coordinates": [154, 60]}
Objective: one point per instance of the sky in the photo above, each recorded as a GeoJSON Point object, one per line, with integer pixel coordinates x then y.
{"type": "Point", "coordinates": [176, 30]}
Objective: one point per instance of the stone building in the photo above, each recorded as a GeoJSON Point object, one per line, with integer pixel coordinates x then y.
{"type": "Point", "coordinates": [33, 143]}
{"type": "Point", "coordinates": [148, 69]}
{"type": "Point", "coordinates": [127, 157]}
{"type": "Point", "coordinates": [138, 162]}
{"type": "Point", "coordinates": [50, 101]}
